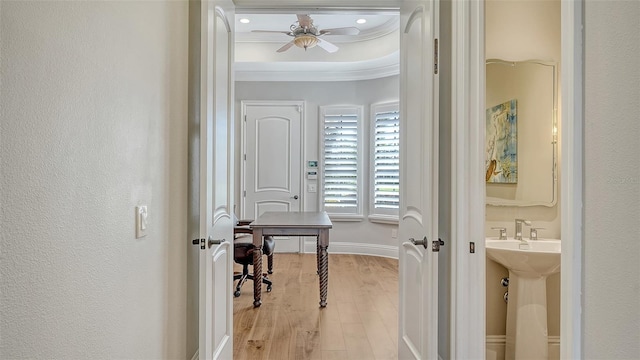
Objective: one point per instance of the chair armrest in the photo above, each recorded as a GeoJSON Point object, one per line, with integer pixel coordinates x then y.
{"type": "Point", "coordinates": [244, 222]}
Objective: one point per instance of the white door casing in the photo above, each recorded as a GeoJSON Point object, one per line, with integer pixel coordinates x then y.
{"type": "Point", "coordinates": [418, 264]}
{"type": "Point", "coordinates": [272, 169]}
{"type": "Point", "coordinates": [216, 181]}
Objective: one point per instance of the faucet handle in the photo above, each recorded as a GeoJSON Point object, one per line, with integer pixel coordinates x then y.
{"type": "Point", "coordinates": [533, 234]}
{"type": "Point", "coordinates": [503, 232]}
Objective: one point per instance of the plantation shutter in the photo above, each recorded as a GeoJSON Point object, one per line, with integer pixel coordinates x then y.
{"type": "Point", "coordinates": [340, 175]}
{"type": "Point", "coordinates": [386, 161]}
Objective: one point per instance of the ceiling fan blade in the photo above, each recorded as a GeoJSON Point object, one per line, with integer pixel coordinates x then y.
{"type": "Point", "coordinates": [285, 47]}
{"type": "Point", "coordinates": [329, 47]}
{"type": "Point", "coordinates": [341, 31]}
{"type": "Point", "coordinates": [273, 31]}
{"type": "Point", "coordinates": [304, 21]}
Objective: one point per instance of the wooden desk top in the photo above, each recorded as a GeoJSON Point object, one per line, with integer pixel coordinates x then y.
{"type": "Point", "coordinates": [287, 219]}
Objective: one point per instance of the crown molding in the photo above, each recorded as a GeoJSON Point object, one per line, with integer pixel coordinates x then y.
{"type": "Point", "coordinates": [296, 71]}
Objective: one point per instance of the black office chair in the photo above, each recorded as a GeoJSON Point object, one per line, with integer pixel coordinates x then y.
{"type": "Point", "coordinates": [243, 254]}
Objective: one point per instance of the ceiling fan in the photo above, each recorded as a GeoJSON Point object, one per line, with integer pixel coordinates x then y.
{"type": "Point", "coordinates": [306, 35]}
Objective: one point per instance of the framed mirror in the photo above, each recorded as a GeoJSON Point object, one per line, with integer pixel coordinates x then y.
{"type": "Point", "coordinates": [521, 133]}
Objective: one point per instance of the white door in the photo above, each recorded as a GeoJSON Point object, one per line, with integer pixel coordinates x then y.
{"type": "Point", "coordinates": [216, 189]}
{"type": "Point", "coordinates": [272, 168]}
{"type": "Point", "coordinates": [418, 264]}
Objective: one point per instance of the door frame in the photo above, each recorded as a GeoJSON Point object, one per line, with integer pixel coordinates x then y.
{"type": "Point", "coordinates": [468, 105]}
{"type": "Point", "coordinates": [468, 272]}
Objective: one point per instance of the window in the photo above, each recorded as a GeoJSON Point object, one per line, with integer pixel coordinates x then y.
{"type": "Point", "coordinates": [341, 144]}
{"type": "Point", "coordinates": [385, 162]}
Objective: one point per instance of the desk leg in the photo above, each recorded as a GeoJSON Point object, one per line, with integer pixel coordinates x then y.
{"type": "Point", "coordinates": [323, 265]}
{"type": "Point", "coordinates": [257, 267]}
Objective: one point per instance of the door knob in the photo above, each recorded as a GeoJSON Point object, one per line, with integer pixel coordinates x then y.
{"type": "Point", "coordinates": [422, 242]}
{"type": "Point", "coordinates": [213, 241]}
{"type": "Point", "coordinates": [295, 197]}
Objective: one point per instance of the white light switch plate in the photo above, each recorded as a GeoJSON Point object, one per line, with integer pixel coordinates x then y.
{"type": "Point", "coordinates": [141, 221]}
{"type": "Point", "coordinates": [312, 188]}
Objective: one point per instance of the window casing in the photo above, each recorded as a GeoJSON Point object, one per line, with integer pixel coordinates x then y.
{"type": "Point", "coordinates": [341, 168]}
{"type": "Point", "coordinates": [385, 162]}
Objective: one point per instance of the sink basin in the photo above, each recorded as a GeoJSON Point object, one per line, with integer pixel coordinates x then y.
{"type": "Point", "coordinates": [529, 263]}
{"type": "Point", "coordinates": [535, 258]}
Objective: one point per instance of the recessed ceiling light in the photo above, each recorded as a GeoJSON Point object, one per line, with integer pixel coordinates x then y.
{"type": "Point", "coordinates": [361, 21]}
{"type": "Point", "coordinates": [245, 20]}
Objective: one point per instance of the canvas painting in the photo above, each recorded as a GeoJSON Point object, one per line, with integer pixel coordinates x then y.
{"type": "Point", "coordinates": [501, 161]}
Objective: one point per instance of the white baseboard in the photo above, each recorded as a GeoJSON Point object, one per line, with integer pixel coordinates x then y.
{"type": "Point", "coordinates": [496, 346]}
{"type": "Point", "coordinates": [354, 248]}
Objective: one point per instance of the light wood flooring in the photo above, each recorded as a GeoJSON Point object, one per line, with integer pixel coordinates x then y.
{"type": "Point", "coordinates": [359, 322]}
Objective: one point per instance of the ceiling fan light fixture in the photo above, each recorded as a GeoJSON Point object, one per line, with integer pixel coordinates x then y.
{"type": "Point", "coordinates": [305, 41]}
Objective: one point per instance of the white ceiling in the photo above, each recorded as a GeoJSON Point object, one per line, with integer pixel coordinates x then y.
{"type": "Point", "coordinates": [371, 54]}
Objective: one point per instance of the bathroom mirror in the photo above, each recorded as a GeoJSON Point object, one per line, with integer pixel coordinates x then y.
{"type": "Point", "coordinates": [521, 133]}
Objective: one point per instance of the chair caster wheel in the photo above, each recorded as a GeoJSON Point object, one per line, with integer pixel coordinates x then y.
{"type": "Point", "coordinates": [270, 272]}
{"type": "Point", "coordinates": [236, 293]}
{"type": "Point", "coordinates": [268, 288]}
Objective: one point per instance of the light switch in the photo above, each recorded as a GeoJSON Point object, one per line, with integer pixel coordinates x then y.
{"type": "Point", "coordinates": [312, 187]}
{"type": "Point", "coordinates": [141, 221]}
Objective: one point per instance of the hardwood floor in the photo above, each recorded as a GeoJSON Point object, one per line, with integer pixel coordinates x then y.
{"type": "Point", "coordinates": [359, 322]}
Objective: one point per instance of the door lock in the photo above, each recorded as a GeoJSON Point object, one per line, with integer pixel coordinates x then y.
{"type": "Point", "coordinates": [435, 245]}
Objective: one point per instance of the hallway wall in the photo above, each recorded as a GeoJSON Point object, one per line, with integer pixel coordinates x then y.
{"type": "Point", "coordinates": [94, 106]}
{"type": "Point", "coordinates": [611, 245]}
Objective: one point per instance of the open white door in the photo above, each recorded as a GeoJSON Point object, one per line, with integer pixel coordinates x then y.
{"type": "Point", "coordinates": [418, 258]}
{"type": "Point", "coordinates": [216, 181]}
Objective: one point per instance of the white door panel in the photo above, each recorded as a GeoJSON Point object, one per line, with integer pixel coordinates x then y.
{"type": "Point", "coordinates": [215, 176]}
{"type": "Point", "coordinates": [272, 169]}
{"type": "Point", "coordinates": [418, 264]}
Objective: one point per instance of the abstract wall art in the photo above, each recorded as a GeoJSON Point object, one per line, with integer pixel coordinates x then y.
{"type": "Point", "coordinates": [501, 160]}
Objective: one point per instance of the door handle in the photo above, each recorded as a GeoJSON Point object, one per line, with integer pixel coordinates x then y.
{"type": "Point", "coordinates": [295, 197]}
{"type": "Point", "coordinates": [213, 241]}
{"type": "Point", "coordinates": [422, 242]}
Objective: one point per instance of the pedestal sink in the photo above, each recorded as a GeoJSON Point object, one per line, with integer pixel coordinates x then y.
{"type": "Point", "coordinates": [529, 264]}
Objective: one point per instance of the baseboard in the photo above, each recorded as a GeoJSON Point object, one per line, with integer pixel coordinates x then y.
{"type": "Point", "coordinates": [496, 346]}
{"type": "Point", "coordinates": [355, 249]}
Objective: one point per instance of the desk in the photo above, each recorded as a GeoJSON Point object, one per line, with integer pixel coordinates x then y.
{"type": "Point", "coordinates": [282, 223]}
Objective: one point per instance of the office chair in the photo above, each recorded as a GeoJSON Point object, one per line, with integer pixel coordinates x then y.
{"type": "Point", "coordinates": [243, 254]}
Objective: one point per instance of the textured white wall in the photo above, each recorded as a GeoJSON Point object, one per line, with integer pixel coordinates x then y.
{"type": "Point", "coordinates": [327, 93]}
{"type": "Point", "coordinates": [611, 245]}
{"type": "Point", "coordinates": [93, 123]}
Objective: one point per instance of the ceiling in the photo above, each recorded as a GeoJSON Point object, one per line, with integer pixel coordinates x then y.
{"type": "Point", "coordinates": [373, 53]}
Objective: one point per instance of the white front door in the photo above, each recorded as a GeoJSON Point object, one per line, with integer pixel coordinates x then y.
{"type": "Point", "coordinates": [216, 182]}
{"type": "Point", "coordinates": [272, 168]}
{"type": "Point", "coordinates": [418, 263]}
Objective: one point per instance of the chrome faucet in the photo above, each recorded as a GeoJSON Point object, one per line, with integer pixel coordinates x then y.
{"type": "Point", "coordinates": [503, 232]}
{"type": "Point", "coordinates": [519, 223]}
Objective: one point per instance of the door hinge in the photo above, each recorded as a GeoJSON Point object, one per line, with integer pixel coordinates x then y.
{"type": "Point", "coordinates": [299, 108]}
{"type": "Point", "coordinates": [435, 56]}
{"type": "Point", "coordinates": [244, 193]}
{"type": "Point", "coordinates": [245, 157]}
{"type": "Point", "coordinates": [435, 245]}
{"type": "Point", "coordinates": [245, 118]}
